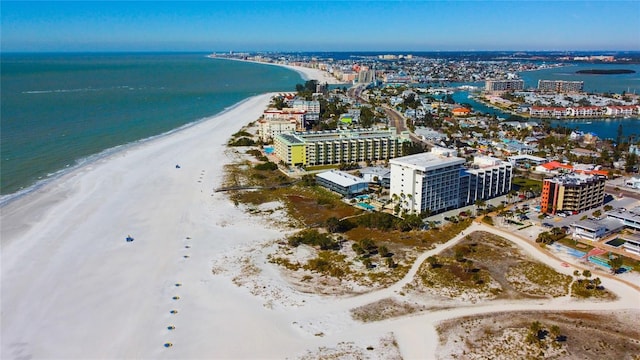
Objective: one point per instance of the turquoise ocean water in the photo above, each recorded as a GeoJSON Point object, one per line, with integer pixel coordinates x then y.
{"type": "Point", "coordinates": [62, 110]}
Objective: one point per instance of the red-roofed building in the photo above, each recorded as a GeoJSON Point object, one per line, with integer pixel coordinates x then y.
{"type": "Point", "coordinates": [554, 166]}
{"type": "Point", "coordinates": [461, 111]}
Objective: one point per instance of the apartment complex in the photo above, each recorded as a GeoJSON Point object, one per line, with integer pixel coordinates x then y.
{"type": "Point", "coordinates": [503, 85]}
{"type": "Point", "coordinates": [269, 129]}
{"type": "Point", "coordinates": [487, 178]}
{"type": "Point", "coordinates": [572, 192]}
{"type": "Point", "coordinates": [311, 109]}
{"type": "Point", "coordinates": [338, 146]}
{"type": "Point", "coordinates": [427, 181]}
{"type": "Point", "coordinates": [560, 86]}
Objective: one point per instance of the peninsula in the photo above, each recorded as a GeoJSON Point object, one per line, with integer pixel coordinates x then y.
{"type": "Point", "coordinates": [606, 71]}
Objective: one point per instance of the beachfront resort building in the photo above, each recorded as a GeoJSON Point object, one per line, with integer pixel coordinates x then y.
{"type": "Point", "coordinates": [341, 182]}
{"type": "Point", "coordinates": [269, 129]}
{"type": "Point", "coordinates": [560, 86]}
{"type": "Point", "coordinates": [486, 178]}
{"type": "Point", "coordinates": [438, 181]}
{"type": "Point", "coordinates": [427, 181]}
{"type": "Point", "coordinates": [503, 85]}
{"type": "Point", "coordinates": [338, 146]}
{"type": "Point", "coordinates": [572, 192]}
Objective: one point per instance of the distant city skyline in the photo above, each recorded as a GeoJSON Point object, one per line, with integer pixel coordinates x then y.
{"type": "Point", "coordinates": [321, 26]}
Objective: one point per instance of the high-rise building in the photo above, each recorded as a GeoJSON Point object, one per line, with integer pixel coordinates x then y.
{"type": "Point", "coordinates": [504, 85]}
{"type": "Point", "coordinates": [560, 86]}
{"type": "Point", "coordinates": [488, 177]}
{"type": "Point", "coordinates": [572, 192]}
{"type": "Point", "coordinates": [438, 181]}
{"type": "Point", "coordinates": [427, 181]}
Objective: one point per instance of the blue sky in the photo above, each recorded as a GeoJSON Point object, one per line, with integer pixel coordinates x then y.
{"type": "Point", "coordinates": [320, 25]}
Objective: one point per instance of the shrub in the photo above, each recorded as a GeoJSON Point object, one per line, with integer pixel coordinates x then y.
{"type": "Point", "coordinates": [313, 238]}
{"type": "Point", "coordinates": [243, 141]}
{"type": "Point", "coordinates": [268, 166]}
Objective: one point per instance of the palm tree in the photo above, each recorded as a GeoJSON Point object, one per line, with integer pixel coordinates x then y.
{"type": "Point", "coordinates": [555, 331]}
{"type": "Point", "coordinates": [597, 282]}
{"type": "Point", "coordinates": [383, 251]}
{"type": "Point", "coordinates": [616, 264]}
{"type": "Point", "coordinates": [480, 204]}
{"type": "Point", "coordinates": [390, 263]}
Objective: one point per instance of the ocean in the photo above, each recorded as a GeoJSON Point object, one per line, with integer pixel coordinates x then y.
{"type": "Point", "coordinates": [60, 111]}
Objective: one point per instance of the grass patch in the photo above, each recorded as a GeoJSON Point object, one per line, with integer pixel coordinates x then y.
{"type": "Point", "coordinates": [526, 183]}
{"type": "Point", "coordinates": [582, 289]}
{"type": "Point", "coordinates": [535, 278]}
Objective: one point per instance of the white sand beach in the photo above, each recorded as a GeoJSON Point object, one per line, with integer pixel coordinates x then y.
{"type": "Point", "coordinates": [306, 73]}
{"type": "Point", "coordinates": [72, 287]}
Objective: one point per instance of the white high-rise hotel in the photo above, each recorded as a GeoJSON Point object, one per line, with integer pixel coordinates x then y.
{"type": "Point", "coordinates": [427, 181]}
{"type": "Point", "coordinates": [438, 181]}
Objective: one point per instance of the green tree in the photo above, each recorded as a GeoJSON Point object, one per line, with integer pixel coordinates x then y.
{"type": "Point", "coordinates": [631, 162]}
{"type": "Point", "coordinates": [468, 265]}
{"type": "Point", "coordinates": [433, 261]}
{"type": "Point", "coordinates": [390, 263]}
{"type": "Point", "coordinates": [383, 251]}
{"type": "Point", "coordinates": [554, 331]}
{"type": "Point", "coordinates": [332, 224]}
{"type": "Point", "coordinates": [358, 249]}
{"type": "Point", "coordinates": [616, 264]}
{"type": "Point", "coordinates": [597, 282]}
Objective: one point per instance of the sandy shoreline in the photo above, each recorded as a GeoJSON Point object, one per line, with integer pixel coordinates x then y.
{"type": "Point", "coordinates": [72, 287]}
{"type": "Point", "coordinates": [305, 72]}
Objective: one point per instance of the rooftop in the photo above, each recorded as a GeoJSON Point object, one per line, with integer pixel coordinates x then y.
{"type": "Point", "coordinates": [341, 178]}
{"type": "Point", "coordinates": [427, 161]}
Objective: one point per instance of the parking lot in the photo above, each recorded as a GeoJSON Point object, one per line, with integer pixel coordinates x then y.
{"type": "Point", "coordinates": [524, 219]}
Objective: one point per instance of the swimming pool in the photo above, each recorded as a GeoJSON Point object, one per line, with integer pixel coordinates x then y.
{"type": "Point", "coordinates": [605, 263]}
{"type": "Point", "coordinates": [366, 206]}
{"type": "Point", "coordinates": [617, 242]}
{"type": "Point", "coordinates": [268, 150]}
{"type": "Point", "coordinates": [362, 197]}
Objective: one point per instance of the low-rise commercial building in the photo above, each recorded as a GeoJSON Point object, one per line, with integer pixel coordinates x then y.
{"type": "Point", "coordinates": [631, 243]}
{"type": "Point", "coordinates": [629, 218]}
{"type": "Point", "coordinates": [595, 229]}
{"type": "Point", "coordinates": [341, 182]}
